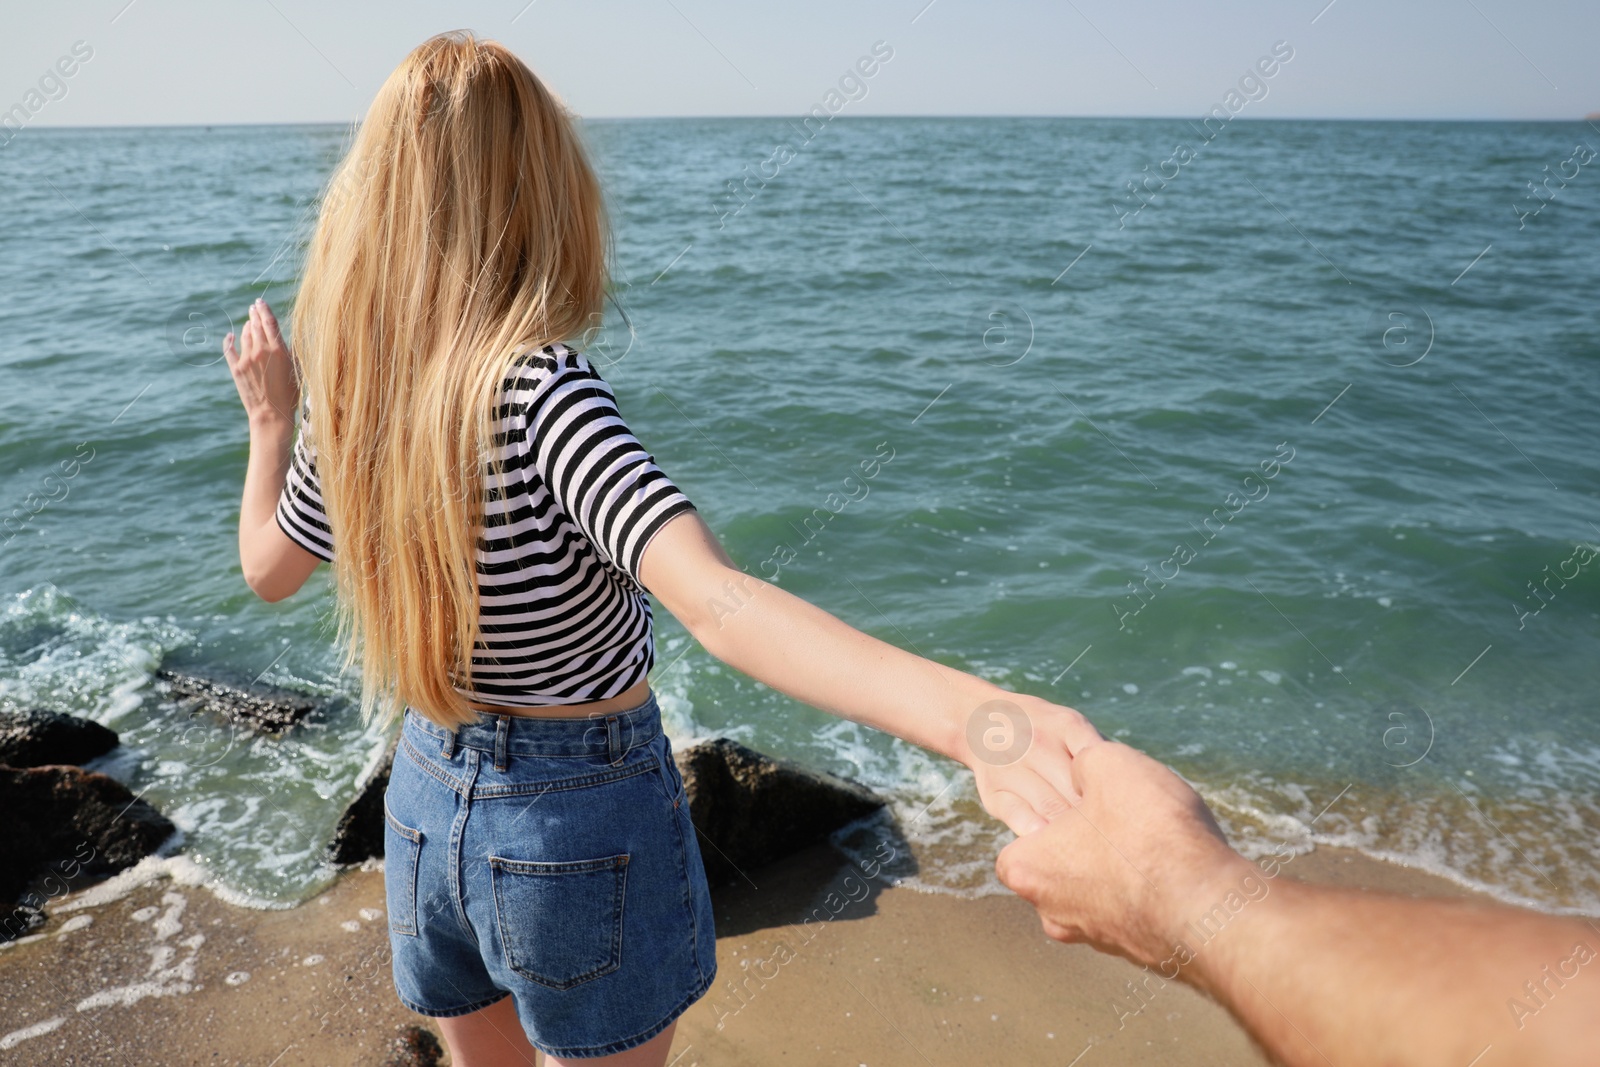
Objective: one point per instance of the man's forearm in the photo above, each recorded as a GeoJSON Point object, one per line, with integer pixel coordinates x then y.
{"type": "Point", "coordinates": [1323, 975]}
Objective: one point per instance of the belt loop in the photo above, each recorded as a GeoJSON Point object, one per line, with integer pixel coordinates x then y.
{"type": "Point", "coordinates": [614, 740]}
{"type": "Point", "coordinates": [447, 747]}
{"type": "Point", "coordinates": [502, 731]}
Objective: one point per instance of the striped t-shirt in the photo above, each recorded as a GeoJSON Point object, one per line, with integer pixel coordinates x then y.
{"type": "Point", "coordinates": [563, 616]}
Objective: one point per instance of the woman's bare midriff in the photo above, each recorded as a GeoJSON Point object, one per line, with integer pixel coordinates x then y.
{"type": "Point", "coordinates": [632, 697]}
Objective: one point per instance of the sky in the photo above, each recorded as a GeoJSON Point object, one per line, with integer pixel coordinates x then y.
{"type": "Point", "coordinates": [165, 62]}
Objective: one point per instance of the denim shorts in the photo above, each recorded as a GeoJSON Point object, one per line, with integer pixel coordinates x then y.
{"type": "Point", "coordinates": [552, 860]}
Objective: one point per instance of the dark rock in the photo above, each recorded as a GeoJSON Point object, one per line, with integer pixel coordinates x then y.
{"type": "Point", "coordinates": [748, 808]}
{"type": "Point", "coordinates": [359, 834]}
{"type": "Point", "coordinates": [414, 1047]}
{"type": "Point", "coordinates": [18, 920]}
{"type": "Point", "coordinates": [37, 738]}
{"type": "Point", "coordinates": [751, 809]}
{"type": "Point", "coordinates": [66, 827]}
{"type": "Point", "coordinates": [263, 709]}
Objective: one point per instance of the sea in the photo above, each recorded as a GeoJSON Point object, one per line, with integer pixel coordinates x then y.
{"type": "Point", "coordinates": [1271, 447]}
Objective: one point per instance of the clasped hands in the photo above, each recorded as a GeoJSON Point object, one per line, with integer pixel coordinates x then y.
{"type": "Point", "coordinates": [1111, 843]}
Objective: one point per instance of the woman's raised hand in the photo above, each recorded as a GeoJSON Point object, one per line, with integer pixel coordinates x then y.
{"type": "Point", "coordinates": [263, 371]}
{"type": "Point", "coordinates": [1020, 749]}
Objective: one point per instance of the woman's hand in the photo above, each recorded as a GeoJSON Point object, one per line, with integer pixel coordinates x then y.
{"type": "Point", "coordinates": [264, 370]}
{"type": "Point", "coordinates": [1020, 749]}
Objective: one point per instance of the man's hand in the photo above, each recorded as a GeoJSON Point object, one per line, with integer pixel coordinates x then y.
{"type": "Point", "coordinates": [264, 370]}
{"type": "Point", "coordinates": [1124, 867]}
{"type": "Point", "coordinates": [1317, 974]}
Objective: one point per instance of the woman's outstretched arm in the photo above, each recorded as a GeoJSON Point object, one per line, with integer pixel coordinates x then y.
{"type": "Point", "coordinates": [274, 566]}
{"type": "Point", "coordinates": [801, 650]}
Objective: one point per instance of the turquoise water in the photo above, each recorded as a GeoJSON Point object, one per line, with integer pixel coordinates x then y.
{"type": "Point", "coordinates": [1071, 379]}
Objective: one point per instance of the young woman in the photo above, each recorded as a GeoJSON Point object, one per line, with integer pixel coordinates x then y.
{"type": "Point", "coordinates": [493, 528]}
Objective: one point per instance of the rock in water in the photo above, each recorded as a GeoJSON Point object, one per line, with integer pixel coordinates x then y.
{"type": "Point", "coordinates": [359, 834]}
{"type": "Point", "coordinates": [19, 920]}
{"type": "Point", "coordinates": [414, 1047]}
{"type": "Point", "coordinates": [66, 826]}
{"type": "Point", "coordinates": [751, 809]}
{"type": "Point", "coordinates": [264, 709]}
{"type": "Point", "coordinates": [37, 738]}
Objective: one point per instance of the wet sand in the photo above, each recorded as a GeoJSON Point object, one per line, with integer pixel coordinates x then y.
{"type": "Point", "coordinates": [170, 974]}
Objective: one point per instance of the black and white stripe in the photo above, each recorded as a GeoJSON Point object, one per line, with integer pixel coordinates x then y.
{"type": "Point", "coordinates": [563, 617]}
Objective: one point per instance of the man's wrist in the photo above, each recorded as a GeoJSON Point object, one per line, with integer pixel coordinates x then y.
{"type": "Point", "coordinates": [1224, 891]}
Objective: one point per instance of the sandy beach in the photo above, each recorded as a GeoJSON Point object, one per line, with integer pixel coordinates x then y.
{"type": "Point", "coordinates": [168, 973]}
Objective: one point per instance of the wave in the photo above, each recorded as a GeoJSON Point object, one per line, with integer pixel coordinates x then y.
{"type": "Point", "coordinates": [255, 814]}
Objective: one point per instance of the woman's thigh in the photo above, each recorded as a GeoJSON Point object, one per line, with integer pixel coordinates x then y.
{"type": "Point", "coordinates": [493, 1037]}
{"type": "Point", "coordinates": [652, 1053]}
{"type": "Point", "coordinates": [489, 1037]}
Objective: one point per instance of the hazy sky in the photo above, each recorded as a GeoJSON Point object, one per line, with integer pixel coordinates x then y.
{"type": "Point", "coordinates": [187, 61]}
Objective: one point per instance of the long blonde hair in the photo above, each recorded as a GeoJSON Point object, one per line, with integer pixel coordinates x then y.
{"type": "Point", "coordinates": [464, 227]}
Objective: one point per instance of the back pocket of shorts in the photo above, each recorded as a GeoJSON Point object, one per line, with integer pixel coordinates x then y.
{"type": "Point", "coordinates": [560, 923]}
{"type": "Point", "coordinates": [402, 847]}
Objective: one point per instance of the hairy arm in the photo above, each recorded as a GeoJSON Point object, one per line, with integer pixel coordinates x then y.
{"type": "Point", "coordinates": [806, 653]}
{"type": "Point", "coordinates": [1317, 974]}
{"type": "Point", "coordinates": [1321, 973]}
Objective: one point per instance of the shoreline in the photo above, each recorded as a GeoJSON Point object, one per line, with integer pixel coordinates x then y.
{"type": "Point", "coordinates": [890, 969]}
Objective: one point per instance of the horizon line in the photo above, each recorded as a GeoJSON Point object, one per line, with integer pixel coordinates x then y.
{"type": "Point", "coordinates": [1588, 119]}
